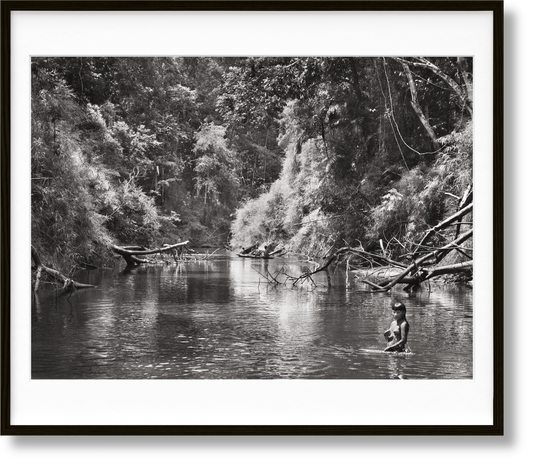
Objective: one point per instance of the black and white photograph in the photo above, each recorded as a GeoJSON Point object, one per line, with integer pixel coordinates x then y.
{"type": "Point", "coordinates": [252, 217]}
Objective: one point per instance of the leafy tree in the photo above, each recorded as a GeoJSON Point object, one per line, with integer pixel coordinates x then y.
{"type": "Point", "coordinates": [214, 166]}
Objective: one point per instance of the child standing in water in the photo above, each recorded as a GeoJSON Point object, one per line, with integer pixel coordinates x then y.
{"type": "Point", "coordinates": [398, 330]}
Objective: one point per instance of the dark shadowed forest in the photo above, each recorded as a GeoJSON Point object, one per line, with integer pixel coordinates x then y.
{"type": "Point", "coordinates": [312, 155]}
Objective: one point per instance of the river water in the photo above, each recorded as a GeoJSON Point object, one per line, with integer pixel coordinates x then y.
{"type": "Point", "coordinates": [220, 319]}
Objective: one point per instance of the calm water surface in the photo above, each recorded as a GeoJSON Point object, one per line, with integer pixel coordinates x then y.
{"type": "Point", "coordinates": [219, 319]}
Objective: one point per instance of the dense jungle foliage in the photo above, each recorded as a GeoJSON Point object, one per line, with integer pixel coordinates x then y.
{"type": "Point", "coordinates": [308, 152]}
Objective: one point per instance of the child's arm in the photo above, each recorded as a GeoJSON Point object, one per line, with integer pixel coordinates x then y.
{"type": "Point", "coordinates": [404, 328]}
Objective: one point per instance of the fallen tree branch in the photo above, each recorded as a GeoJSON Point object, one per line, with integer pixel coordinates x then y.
{"type": "Point", "coordinates": [412, 274]}
{"type": "Point", "coordinates": [335, 256]}
{"type": "Point", "coordinates": [130, 253]}
{"type": "Point", "coordinates": [422, 275]}
{"type": "Point", "coordinates": [450, 269]}
{"type": "Point", "coordinates": [372, 284]}
{"type": "Point", "coordinates": [68, 284]}
{"type": "Point", "coordinates": [443, 224]}
{"type": "Point", "coordinates": [418, 262]}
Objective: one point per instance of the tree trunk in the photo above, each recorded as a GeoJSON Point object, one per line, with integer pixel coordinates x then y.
{"type": "Point", "coordinates": [418, 110]}
{"type": "Point", "coordinates": [461, 93]}
{"type": "Point", "coordinates": [467, 80]}
{"type": "Point", "coordinates": [467, 198]}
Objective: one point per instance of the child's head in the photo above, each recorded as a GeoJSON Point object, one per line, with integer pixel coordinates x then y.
{"type": "Point", "coordinates": [400, 307]}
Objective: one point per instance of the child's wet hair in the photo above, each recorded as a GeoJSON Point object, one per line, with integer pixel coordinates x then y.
{"type": "Point", "coordinates": [399, 307]}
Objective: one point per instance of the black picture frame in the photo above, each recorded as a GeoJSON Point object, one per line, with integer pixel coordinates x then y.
{"type": "Point", "coordinates": [497, 426]}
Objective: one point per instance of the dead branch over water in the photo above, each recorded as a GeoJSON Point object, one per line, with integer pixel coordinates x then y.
{"type": "Point", "coordinates": [130, 253]}
{"type": "Point", "coordinates": [68, 284]}
{"type": "Point", "coordinates": [416, 266]}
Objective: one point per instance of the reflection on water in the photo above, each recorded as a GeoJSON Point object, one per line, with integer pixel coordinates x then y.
{"type": "Point", "coordinates": [220, 320]}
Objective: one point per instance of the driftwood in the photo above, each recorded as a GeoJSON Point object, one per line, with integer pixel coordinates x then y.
{"type": "Point", "coordinates": [130, 253]}
{"type": "Point", "coordinates": [68, 284]}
